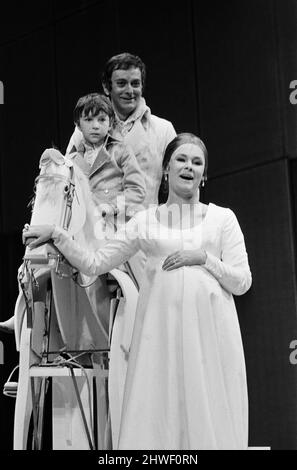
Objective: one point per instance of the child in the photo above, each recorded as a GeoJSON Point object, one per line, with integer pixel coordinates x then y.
{"type": "Point", "coordinates": [116, 180]}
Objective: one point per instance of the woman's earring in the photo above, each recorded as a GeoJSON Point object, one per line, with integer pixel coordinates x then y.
{"type": "Point", "coordinates": [203, 182]}
{"type": "Point", "coordinates": [166, 177]}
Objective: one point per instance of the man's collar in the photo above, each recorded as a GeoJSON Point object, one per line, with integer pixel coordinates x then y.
{"type": "Point", "coordinates": [110, 140]}
{"type": "Point", "coordinates": [142, 112]}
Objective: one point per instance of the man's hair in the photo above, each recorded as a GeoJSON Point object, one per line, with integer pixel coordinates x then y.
{"type": "Point", "coordinates": [122, 61]}
{"type": "Point", "coordinates": [92, 103]}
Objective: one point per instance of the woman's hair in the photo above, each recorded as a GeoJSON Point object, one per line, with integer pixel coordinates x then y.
{"type": "Point", "coordinates": [92, 103]}
{"type": "Point", "coordinates": [122, 61]}
{"type": "Point", "coordinates": [180, 139]}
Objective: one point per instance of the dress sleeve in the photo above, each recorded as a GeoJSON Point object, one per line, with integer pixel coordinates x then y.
{"type": "Point", "coordinates": [232, 271]}
{"type": "Point", "coordinates": [115, 252]}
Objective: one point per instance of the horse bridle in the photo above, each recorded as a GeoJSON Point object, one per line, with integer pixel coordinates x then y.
{"type": "Point", "coordinates": [69, 191]}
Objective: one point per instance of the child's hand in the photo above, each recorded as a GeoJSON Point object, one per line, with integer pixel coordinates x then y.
{"type": "Point", "coordinates": [40, 233]}
{"type": "Point", "coordinates": [108, 210]}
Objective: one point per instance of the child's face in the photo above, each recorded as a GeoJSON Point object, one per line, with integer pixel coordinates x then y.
{"type": "Point", "coordinates": [94, 128]}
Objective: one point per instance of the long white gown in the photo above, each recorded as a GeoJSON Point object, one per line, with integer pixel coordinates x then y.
{"type": "Point", "coordinates": [186, 381]}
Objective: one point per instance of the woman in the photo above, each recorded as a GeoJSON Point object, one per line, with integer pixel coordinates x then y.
{"type": "Point", "coordinates": [186, 382]}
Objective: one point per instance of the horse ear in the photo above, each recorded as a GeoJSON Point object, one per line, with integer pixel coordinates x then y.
{"type": "Point", "coordinates": [51, 155]}
{"type": "Point", "coordinates": [44, 159]}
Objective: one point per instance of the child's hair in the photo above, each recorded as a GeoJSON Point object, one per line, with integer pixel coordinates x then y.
{"type": "Point", "coordinates": [92, 103]}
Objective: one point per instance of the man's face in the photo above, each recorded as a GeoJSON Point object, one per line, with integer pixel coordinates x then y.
{"type": "Point", "coordinates": [126, 91]}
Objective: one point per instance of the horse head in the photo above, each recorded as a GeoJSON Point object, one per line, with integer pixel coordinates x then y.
{"type": "Point", "coordinates": [63, 198]}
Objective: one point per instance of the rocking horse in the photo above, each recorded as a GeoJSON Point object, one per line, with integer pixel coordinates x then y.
{"type": "Point", "coordinates": [71, 333]}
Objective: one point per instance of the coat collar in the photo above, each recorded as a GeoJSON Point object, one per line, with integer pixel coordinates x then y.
{"type": "Point", "coordinates": [102, 157]}
{"type": "Point", "coordinates": [142, 113]}
{"type": "Point", "coordinates": [80, 161]}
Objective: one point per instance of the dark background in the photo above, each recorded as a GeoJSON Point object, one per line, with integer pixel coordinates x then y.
{"type": "Point", "coordinates": [219, 69]}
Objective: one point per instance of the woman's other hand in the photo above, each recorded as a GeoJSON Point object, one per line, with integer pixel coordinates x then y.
{"type": "Point", "coordinates": [40, 233]}
{"type": "Point", "coordinates": [184, 258]}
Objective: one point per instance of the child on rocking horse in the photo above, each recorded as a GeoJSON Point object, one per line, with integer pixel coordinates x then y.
{"type": "Point", "coordinates": [116, 180]}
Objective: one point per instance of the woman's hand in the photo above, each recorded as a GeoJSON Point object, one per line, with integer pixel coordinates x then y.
{"type": "Point", "coordinates": [184, 258]}
{"type": "Point", "coordinates": [40, 233]}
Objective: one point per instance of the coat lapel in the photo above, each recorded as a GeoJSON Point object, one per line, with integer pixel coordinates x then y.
{"type": "Point", "coordinates": [80, 161]}
{"type": "Point", "coordinates": [102, 157]}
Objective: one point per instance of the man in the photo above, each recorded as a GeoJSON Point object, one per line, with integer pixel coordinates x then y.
{"type": "Point", "coordinates": [123, 80]}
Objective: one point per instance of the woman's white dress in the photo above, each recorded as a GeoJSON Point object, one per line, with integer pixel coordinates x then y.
{"type": "Point", "coordinates": [186, 381]}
